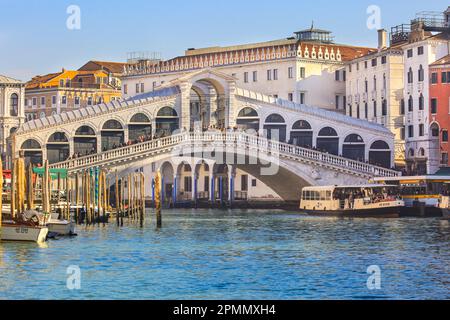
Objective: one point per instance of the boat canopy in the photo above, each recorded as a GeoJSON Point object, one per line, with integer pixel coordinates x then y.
{"type": "Point", "coordinates": [53, 172]}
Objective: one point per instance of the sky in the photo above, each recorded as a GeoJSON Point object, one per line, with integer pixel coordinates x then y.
{"type": "Point", "coordinates": [35, 39]}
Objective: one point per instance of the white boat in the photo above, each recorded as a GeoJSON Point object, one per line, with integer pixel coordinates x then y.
{"type": "Point", "coordinates": [60, 227]}
{"type": "Point", "coordinates": [352, 201]}
{"type": "Point", "coordinates": [15, 232]}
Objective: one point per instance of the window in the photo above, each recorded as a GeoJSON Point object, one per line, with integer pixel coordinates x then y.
{"type": "Point", "coordinates": [206, 181]}
{"type": "Point", "coordinates": [14, 105]}
{"type": "Point", "coordinates": [290, 96]}
{"type": "Point", "coordinates": [245, 77]}
{"type": "Point", "coordinates": [435, 130]}
{"type": "Point", "coordinates": [77, 101]}
{"type": "Point", "coordinates": [365, 64]}
{"type": "Point", "coordinates": [409, 53]}
{"type": "Point", "coordinates": [42, 101]}
{"type": "Point", "coordinates": [53, 100]}
{"type": "Point", "coordinates": [375, 83]}
{"type": "Point", "coordinates": [125, 89]}
{"type": "Point", "coordinates": [434, 106]}
{"type": "Point", "coordinates": [366, 86]}
{"type": "Point", "coordinates": [290, 72]}
{"type": "Point", "coordinates": [253, 182]}
{"type": "Point", "coordinates": [366, 110]}
{"type": "Point", "coordinates": [383, 60]}
{"type": "Point", "coordinates": [302, 72]}
{"type": "Point", "coordinates": [187, 184]}
{"type": "Point", "coordinates": [34, 101]}
{"type": "Point", "coordinates": [375, 109]}
{"type": "Point", "coordinates": [255, 76]}
{"type": "Point", "coordinates": [402, 107]}
{"type": "Point", "coordinates": [63, 100]}
{"type": "Point", "coordinates": [344, 75]}
{"type": "Point", "coordinates": [89, 102]}
{"type": "Point", "coordinates": [275, 74]}
{"type": "Point", "coordinates": [444, 135]}
{"type": "Point", "coordinates": [337, 102]}
{"type": "Point", "coordinates": [302, 98]}
{"type": "Point", "coordinates": [410, 76]}
{"type": "Point", "coordinates": [269, 75]}
{"type": "Point", "coordinates": [410, 104]}
{"type": "Point", "coordinates": [420, 50]}
{"type": "Point", "coordinates": [434, 78]}
{"type": "Point", "coordinates": [444, 159]}
{"type": "Point", "coordinates": [357, 66]}
{"type": "Point", "coordinates": [421, 130]}
{"type": "Point", "coordinates": [421, 74]}
{"type": "Point", "coordinates": [374, 62]}
{"type": "Point", "coordinates": [410, 131]}
{"type": "Point", "coordinates": [421, 102]}
{"type": "Point", "coordinates": [142, 87]}
{"type": "Point", "coordinates": [358, 112]}
{"type": "Point", "coordinates": [384, 108]}
{"type": "Point", "coordinates": [444, 77]}
{"type": "Point", "coordinates": [336, 75]}
{"type": "Point", "coordinates": [402, 133]}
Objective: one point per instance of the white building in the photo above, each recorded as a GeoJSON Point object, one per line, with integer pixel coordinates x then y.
{"type": "Point", "coordinates": [306, 69]}
{"type": "Point", "coordinates": [12, 113]}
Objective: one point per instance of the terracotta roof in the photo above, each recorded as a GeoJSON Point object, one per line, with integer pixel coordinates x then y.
{"type": "Point", "coordinates": [442, 61]}
{"type": "Point", "coordinates": [113, 67]}
{"type": "Point", "coordinates": [37, 80]}
{"type": "Point", "coordinates": [8, 80]}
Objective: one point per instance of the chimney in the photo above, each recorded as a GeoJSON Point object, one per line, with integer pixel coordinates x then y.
{"type": "Point", "coordinates": [382, 39]}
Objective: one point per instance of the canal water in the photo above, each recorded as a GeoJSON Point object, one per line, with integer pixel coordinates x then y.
{"type": "Point", "coordinates": [213, 254]}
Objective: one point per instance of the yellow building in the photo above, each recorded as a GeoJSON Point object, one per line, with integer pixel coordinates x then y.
{"type": "Point", "coordinates": [67, 90]}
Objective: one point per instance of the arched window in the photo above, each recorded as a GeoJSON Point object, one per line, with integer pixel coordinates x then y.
{"type": "Point", "coordinates": [140, 118]}
{"type": "Point", "coordinates": [421, 102]}
{"type": "Point", "coordinates": [435, 130]}
{"type": "Point", "coordinates": [328, 141]}
{"type": "Point", "coordinates": [112, 125]}
{"type": "Point", "coordinates": [354, 147]}
{"type": "Point", "coordinates": [167, 112]}
{"type": "Point", "coordinates": [58, 137]}
{"type": "Point", "coordinates": [42, 115]}
{"type": "Point", "coordinates": [384, 108]}
{"type": "Point", "coordinates": [422, 152]}
{"type": "Point", "coordinates": [57, 147]}
{"type": "Point", "coordinates": [31, 144]}
{"type": "Point", "coordinates": [302, 134]}
{"type": "Point", "coordinates": [410, 104]}
{"type": "Point", "coordinates": [248, 113]}
{"type": "Point", "coordinates": [85, 131]}
{"type": "Point", "coordinates": [275, 128]}
{"type": "Point", "coordinates": [14, 105]}
{"type": "Point", "coordinates": [410, 76]}
{"type": "Point", "coordinates": [328, 132]}
{"type": "Point", "coordinates": [275, 118]}
{"type": "Point", "coordinates": [380, 154]}
{"type": "Point", "coordinates": [248, 119]}
{"type": "Point", "coordinates": [411, 153]}
{"type": "Point", "coordinates": [421, 74]}
{"type": "Point", "coordinates": [85, 141]}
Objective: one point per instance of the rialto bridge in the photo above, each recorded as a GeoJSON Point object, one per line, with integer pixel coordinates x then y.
{"type": "Point", "coordinates": [212, 140]}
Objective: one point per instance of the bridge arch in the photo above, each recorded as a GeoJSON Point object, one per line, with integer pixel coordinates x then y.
{"type": "Point", "coordinates": [248, 119]}
{"type": "Point", "coordinates": [354, 147]}
{"type": "Point", "coordinates": [302, 134]}
{"type": "Point", "coordinates": [380, 154]}
{"type": "Point", "coordinates": [112, 134]}
{"type": "Point", "coordinates": [328, 140]}
{"type": "Point", "coordinates": [58, 147]}
{"type": "Point", "coordinates": [167, 121]}
{"type": "Point", "coordinates": [139, 125]}
{"type": "Point", "coordinates": [85, 140]}
{"type": "Point", "coordinates": [275, 127]}
{"type": "Point", "coordinates": [32, 150]}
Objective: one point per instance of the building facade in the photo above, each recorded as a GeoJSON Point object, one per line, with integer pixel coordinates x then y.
{"type": "Point", "coordinates": [12, 114]}
{"type": "Point", "coordinates": [67, 90]}
{"type": "Point", "coordinates": [305, 69]}
{"type": "Point", "coordinates": [440, 108]}
{"type": "Point", "coordinates": [375, 91]}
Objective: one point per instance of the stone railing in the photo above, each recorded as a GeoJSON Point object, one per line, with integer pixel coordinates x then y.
{"type": "Point", "coordinates": [240, 139]}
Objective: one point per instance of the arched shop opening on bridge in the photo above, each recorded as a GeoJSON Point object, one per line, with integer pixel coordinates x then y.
{"type": "Point", "coordinates": [328, 141]}
{"type": "Point", "coordinates": [202, 183]}
{"type": "Point", "coordinates": [302, 134]}
{"type": "Point", "coordinates": [85, 141]}
{"type": "Point", "coordinates": [167, 183]}
{"type": "Point", "coordinates": [221, 183]}
{"type": "Point", "coordinates": [113, 135]}
{"type": "Point", "coordinates": [58, 148]}
{"type": "Point", "coordinates": [248, 120]}
{"type": "Point", "coordinates": [354, 148]}
{"type": "Point", "coordinates": [167, 122]}
{"type": "Point", "coordinates": [275, 128]}
{"type": "Point", "coordinates": [184, 183]}
{"type": "Point", "coordinates": [380, 154]}
{"type": "Point", "coordinates": [32, 151]}
{"type": "Point", "coordinates": [139, 126]}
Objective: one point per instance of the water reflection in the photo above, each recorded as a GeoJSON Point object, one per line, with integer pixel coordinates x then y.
{"type": "Point", "coordinates": [236, 255]}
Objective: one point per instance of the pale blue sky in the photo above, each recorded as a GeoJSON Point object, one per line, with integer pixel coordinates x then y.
{"type": "Point", "coordinates": [34, 38]}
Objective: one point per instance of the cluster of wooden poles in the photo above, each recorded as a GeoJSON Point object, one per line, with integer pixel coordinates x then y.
{"type": "Point", "coordinates": [134, 206]}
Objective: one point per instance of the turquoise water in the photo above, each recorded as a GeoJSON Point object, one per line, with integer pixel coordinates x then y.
{"type": "Point", "coordinates": [236, 255]}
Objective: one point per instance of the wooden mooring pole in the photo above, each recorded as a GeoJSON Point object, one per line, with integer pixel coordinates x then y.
{"type": "Point", "coordinates": [158, 200]}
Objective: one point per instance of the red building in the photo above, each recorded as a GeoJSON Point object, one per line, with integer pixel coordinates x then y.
{"type": "Point", "coordinates": [440, 108]}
